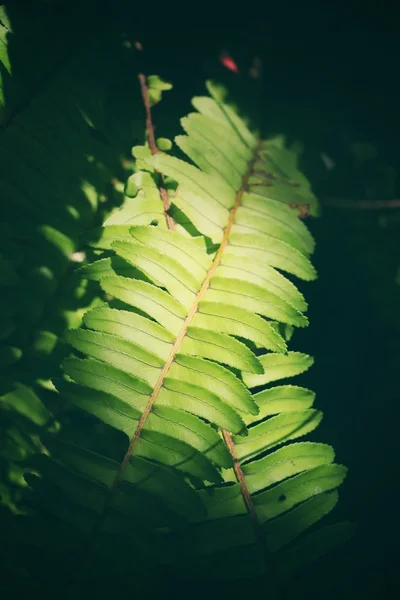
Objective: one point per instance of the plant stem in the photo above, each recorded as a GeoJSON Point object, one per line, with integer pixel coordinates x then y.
{"type": "Point", "coordinates": [361, 204]}
{"type": "Point", "coordinates": [153, 147]}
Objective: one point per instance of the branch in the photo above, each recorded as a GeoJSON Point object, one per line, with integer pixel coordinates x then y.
{"type": "Point", "coordinates": [153, 147]}
{"type": "Point", "coordinates": [360, 204]}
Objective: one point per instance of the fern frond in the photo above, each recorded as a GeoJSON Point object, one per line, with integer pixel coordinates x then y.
{"type": "Point", "coordinates": [183, 291]}
{"type": "Point", "coordinates": [198, 315]}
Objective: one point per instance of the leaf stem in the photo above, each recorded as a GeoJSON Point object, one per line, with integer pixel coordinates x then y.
{"type": "Point", "coordinates": [153, 147]}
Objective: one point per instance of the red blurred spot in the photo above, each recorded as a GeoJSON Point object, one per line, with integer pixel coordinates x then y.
{"type": "Point", "coordinates": [228, 62]}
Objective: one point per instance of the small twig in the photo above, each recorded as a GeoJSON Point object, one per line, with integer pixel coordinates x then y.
{"type": "Point", "coordinates": [149, 123]}
{"type": "Point", "coordinates": [153, 147]}
{"type": "Point", "coordinates": [361, 204]}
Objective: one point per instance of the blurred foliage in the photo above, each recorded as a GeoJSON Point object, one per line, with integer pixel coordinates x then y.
{"type": "Point", "coordinates": [67, 125]}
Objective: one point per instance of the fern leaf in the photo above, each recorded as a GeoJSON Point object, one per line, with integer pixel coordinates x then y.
{"type": "Point", "coordinates": [128, 325]}
{"type": "Point", "coordinates": [278, 367]}
{"type": "Point", "coordinates": [245, 269]}
{"type": "Point", "coordinates": [285, 462]}
{"type": "Point", "coordinates": [281, 399]}
{"type": "Point", "coordinates": [276, 430]}
{"type": "Point", "coordinates": [273, 251]}
{"type": "Point", "coordinates": [196, 319]}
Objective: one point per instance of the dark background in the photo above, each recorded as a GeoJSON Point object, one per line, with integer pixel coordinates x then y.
{"type": "Point", "coordinates": [330, 78]}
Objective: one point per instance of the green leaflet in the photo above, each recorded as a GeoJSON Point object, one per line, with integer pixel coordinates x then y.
{"type": "Point", "coordinates": [222, 112]}
{"type": "Point", "coordinates": [183, 250]}
{"type": "Point", "coordinates": [194, 432]}
{"type": "Point", "coordinates": [238, 322]}
{"type": "Point", "coordinates": [208, 158]}
{"type": "Point", "coordinates": [284, 496]}
{"type": "Point", "coordinates": [264, 215]}
{"type": "Point", "coordinates": [284, 463]}
{"type": "Point", "coordinates": [148, 334]}
{"type": "Point", "coordinates": [214, 193]}
{"type": "Point", "coordinates": [252, 297]}
{"type": "Point", "coordinates": [276, 430]}
{"type": "Point", "coordinates": [274, 252]}
{"type": "Point", "coordinates": [142, 204]}
{"type": "Point", "coordinates": [278, 366]}
{"type": "Point", "coordinates": [155, 302]}
{"type": "Point", "coordinates": [156, 87]}
{"type": "Point", "coordinates": [276, 176]}
{"type": "Point", "coordinates": [218, 135]}
{"type": "Point", "coordinates": [204, 403]}
{"type": "Point", "coordinates": [201, 214]}
{"type": "Point", "coordinates": [162, 270]}
{"type": "Point", "coordinates": [103, 237]}
{"type": "Point", "coordinates": [223, 502]}
{"type": "Point", "coordinates": [106, 378]}
{"type": "Point", "coordinates": [210, 152]}
{"type": "Point", "coordinates": [281, 399]}
{"type": "Point", "coordinates": [120, 353]}
{"type": "Point", "coordinates": [210, 344]}
{"type": "Point", "coordinates": [285, 529]}
{"type": "Point", "coordinates": [108, 407]}
{"type": "Point", "coordinates": [215, 378]}
{"type": "Point", "coordinates": [109, 266]}
{"type": "Point", "coordinates": [234, 267]}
